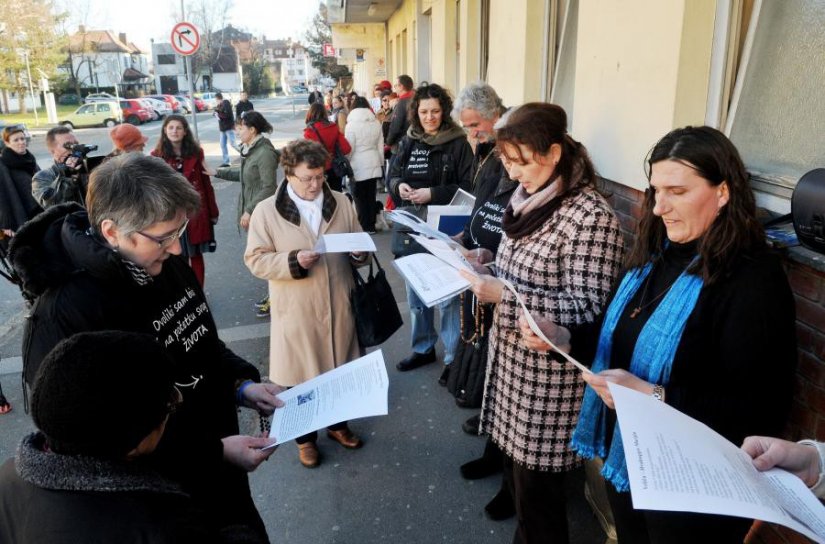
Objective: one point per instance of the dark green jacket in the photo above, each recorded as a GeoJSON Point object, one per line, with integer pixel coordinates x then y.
{"type": "Point", "coordinates": [257, 173]}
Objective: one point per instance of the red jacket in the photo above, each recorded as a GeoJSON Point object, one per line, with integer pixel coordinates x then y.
{"type": "Point", "coordinates": [329, 135]}
{"type": "Point", "coordinates": [200, 227]}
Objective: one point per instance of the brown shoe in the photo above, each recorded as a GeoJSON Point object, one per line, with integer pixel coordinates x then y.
{"type": "Point", "coordinates": [308, 454]}
{"type": "Point", "coordinates": [346, 438]}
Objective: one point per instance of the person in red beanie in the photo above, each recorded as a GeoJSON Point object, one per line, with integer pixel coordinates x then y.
{"type": "Point", "coordinates": [127, 138]}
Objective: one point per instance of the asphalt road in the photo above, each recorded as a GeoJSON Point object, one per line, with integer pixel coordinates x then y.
{"type": "Point", "coordinates": [403, 486]}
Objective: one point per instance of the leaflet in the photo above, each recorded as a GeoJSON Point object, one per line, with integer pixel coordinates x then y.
{"type": "Point", "coordinates": [348, 242]}
{"type": "Point", "coordinates": [445, 252]}
{"type": "Point", "coordinates": [676, 463]}
{"type": "Point", "coordinates": [432, 279]}
{"type": "Point", "coordinates": [405, 218]}
{"type": "Point", "coordinates": [351, 391]}
{"type": "Point", "coordinates": [463, 198]}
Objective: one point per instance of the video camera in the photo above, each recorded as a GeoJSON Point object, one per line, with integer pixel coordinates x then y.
{"type": "Point", "coordinates": [79, 150]}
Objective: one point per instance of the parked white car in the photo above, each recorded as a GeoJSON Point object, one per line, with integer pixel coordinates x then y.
{"type": "Point", "coordinates": [159, 108]}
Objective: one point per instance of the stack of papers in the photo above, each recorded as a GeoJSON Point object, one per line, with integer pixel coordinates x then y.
{"type": "Point", "coordinates": [432, 279]}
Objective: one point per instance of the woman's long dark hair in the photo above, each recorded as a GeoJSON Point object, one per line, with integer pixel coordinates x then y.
{"type": "Point", "coordinates": [539, 125]}
{"type": "Point", "coordinates": [734, 232]}
{"type": "Point", "coordinates": [316, 113]}
{"type": "Point", "coordinates": [189, 146]}
{"type": "Point", "coordinates": [425, 91]}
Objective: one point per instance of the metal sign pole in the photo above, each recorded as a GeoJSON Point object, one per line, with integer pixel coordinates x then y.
{"type": "Point", "coordinates": [194, 111]}
{"type": "Point", "coordinates": [191, 78]}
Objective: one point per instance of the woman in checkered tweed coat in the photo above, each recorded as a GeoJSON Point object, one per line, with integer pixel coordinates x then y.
{"type": "Point", "coordinates": [562, 251]}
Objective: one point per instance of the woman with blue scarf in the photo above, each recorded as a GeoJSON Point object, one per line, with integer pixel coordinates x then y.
{"type": "Point", "coordinates": [703, 320]}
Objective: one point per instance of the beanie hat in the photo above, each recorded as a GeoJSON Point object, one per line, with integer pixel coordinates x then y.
{"type": "Point", "coordinates": [126, 136]}
{"type": "Point", "coordinates": [101, 393]}
{"type": "Point", "coordinates": [385, 85]}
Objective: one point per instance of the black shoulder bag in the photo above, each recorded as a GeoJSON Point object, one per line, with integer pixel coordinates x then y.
{"type": "Point", "coordinates": [374, 307]}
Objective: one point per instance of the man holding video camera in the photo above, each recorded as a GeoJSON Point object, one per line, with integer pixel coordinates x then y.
{"type": "Point", "coordinates": [67, 179]}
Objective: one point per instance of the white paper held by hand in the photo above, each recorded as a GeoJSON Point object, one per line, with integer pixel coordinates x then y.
{"type": "Point", "coordinates": [344, 243]}
{"type": "Point", "coordinates": [351, 391]}
{"type": "Point", "coordinates": [676, 463]}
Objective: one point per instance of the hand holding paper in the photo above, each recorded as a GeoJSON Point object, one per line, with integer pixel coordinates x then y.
{"type": "Point", "coordinates": [348, 242]}
{"type": "Point", "coordinates": [486, 288]}
{"type": "Point", "coordinates": [536, 329]}
{"type": "Point", "coordinates": [600, 383]}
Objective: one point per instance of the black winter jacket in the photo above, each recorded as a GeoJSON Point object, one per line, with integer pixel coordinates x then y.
{"type": "Point", "coordinates": [81, 285]}
{"type": "Point", "coordinates": [64, 499]}
{"type": "Point", "coordinates": [17, 205]}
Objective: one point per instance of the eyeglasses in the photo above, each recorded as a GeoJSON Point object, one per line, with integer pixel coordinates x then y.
{"type": "Point", "coordinates": [385, 100]}
{"type": "Point", "coordinates": [167, 241]}
{"type": "Point", "coordinates": [306, 181]}
{"type": "Point", "coordinates": [175, 401]}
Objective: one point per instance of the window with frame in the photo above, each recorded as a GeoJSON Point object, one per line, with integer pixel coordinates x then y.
{"type": "Point", "coordinates": [166, 59]}
{"type": "Point", "coordinates": [776, 112]}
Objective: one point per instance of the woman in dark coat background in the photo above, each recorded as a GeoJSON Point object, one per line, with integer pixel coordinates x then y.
{"type": "Point", "coordinates": [17, 166]}
{"type": "Point", "coordinates": [178, 147]}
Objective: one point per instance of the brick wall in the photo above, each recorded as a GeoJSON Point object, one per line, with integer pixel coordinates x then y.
{"type": "Point", "coordinates": [808, 413]}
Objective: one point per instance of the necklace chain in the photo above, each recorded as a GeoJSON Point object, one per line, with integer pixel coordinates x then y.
{"type": "Point", "coordinates": [642, 304]}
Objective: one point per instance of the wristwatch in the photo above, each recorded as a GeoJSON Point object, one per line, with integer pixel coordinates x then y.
{"type": "Point", "coordinates": [818, 488]}
{"type": "Point", "coordinates": [658, 392]}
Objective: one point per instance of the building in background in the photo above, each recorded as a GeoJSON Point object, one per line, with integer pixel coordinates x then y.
{"type": "Point", "coordinates": [627, 73]}
{"type": "Point", "coordinates": [291, 65]}
{"type": "Point", "coordinates": [100, 60]}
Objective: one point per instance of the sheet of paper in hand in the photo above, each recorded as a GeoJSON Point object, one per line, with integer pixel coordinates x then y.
{"type": "Point", "coordinates": [676, 463]}
{"type": "Point", "coordinates": [351, 391]}
{"type": "Point", "coordinates": [344, 243]}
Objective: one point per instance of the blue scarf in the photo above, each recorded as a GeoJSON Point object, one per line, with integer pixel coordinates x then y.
{"type": "Point", "coordinates": [652, 360]}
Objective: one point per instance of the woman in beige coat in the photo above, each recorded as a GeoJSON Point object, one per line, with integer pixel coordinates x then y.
{"type": "Point", "coordinates": [313, 328]}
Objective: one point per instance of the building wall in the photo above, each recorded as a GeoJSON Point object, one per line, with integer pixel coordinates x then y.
{"type": "Point", "coordinates": [372, 38]}
{"type": "Point", "coordinates": [516, 38]}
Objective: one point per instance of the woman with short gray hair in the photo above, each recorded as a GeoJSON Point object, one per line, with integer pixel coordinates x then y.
{"type": "Point", "coordinates": [118, 267]}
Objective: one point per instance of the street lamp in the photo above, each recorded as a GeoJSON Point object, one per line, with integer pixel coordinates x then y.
{"type": "Point", "coordinates": [31, 87]}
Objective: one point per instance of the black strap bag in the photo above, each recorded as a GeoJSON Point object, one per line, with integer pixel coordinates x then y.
{"type": "Point", "coordinates": [374, 307]}
{"type": "Point", "coordinates": [401, 244]}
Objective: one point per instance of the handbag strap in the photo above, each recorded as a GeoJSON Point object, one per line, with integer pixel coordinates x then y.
{"type": "Point", "coordinates": [357, 275]}
{"type": "Point", "coordinates": [337, 150]}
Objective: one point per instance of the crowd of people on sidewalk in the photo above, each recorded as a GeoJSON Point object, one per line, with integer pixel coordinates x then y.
{"type": "Point", "coordinates": [672, 316]}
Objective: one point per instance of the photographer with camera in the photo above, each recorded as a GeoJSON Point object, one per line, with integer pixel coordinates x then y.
{"type": "Point", "coordinates": [67, 179]}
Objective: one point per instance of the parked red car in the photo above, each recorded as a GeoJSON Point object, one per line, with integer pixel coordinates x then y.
{"type": "Point", "coordinates": [169, 99]}
{"type": "Point", "coordinates": [134, 113]}
{"type": "Point", "coordinates": [200, 105]}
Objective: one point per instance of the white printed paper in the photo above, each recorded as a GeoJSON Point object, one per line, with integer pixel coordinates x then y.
{"type": "Point", "coordinates": [445, 252]}
{"type": "Point", "coordinates": [432, 279]}
{"type": "Point", "coordinates": [354, 390]}
{"type": "Point", "coordinates": [348, 242]}
{"type": "Point", "coordinates": [676, 463]}
{"type": "Point", "coordinates": [405, 218]}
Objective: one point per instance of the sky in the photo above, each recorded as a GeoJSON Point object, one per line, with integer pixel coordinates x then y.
{"type": "Point", "coordinates": [147, 19]}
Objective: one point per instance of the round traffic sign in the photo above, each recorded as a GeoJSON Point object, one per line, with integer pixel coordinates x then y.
{"type": "Point", "coordinates": [185, 38]}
